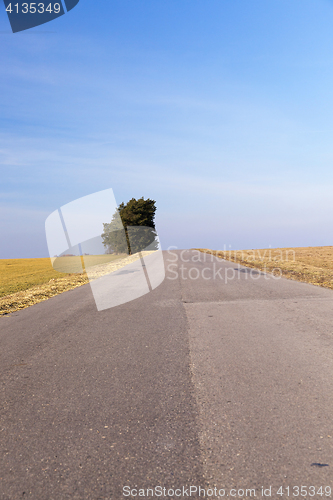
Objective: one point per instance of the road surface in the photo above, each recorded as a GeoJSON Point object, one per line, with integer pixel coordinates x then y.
{"type": "Point", "coordinates": [220, 377]}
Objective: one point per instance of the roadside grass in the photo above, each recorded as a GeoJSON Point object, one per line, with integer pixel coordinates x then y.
{"type": "Point", "coordinates": [75, 264]}
{"type": "Point", "coordinates": [24, 282]}
{"type": "Point", "coordinates": [308, 264]}
{"type": "Point", "coordinates": [17, 275]}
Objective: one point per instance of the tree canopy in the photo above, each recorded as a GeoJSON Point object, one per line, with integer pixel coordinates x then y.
{"type": "Point", "coordinates": [132, 228]}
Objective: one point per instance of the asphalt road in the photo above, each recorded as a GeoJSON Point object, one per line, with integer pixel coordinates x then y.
{"type": "Point", "coordinates": [219, 377]}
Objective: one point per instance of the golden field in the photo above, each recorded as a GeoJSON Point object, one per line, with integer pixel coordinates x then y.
{"type": "Point", "coordinates": [24, 282]}
{"type": "Point", "coordinates": [20, 274]}
{"type": "Point", "coordinates": [309, 264]}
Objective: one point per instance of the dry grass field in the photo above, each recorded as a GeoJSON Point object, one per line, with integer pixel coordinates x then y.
{"type": "Point", "coordinates": [17, 275]}
{"type": "Point", "coordinates": [24, 282]}
{"type": "Point", "coordinates": [309, 264]}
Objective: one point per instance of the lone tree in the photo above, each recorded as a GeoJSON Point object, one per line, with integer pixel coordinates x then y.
{"type": "Point", "coordinates": [132, 228]}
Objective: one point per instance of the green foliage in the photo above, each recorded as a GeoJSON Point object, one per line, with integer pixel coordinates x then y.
{"type": "Point", "coordinates": [138, 213]}
{"type": "Point", "coordinates": [114, 236]}
{"type": "Point", "coordinates": [132, 228]}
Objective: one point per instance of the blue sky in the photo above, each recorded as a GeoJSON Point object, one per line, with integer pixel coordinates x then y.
{"type": "Point", "coordinates": [220, 110]}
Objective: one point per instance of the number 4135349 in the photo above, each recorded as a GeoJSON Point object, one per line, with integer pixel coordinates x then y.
{"type": "Point", "coordinates": [304, 491]}
{"type": "Point", "coordinates": [33, 8]}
